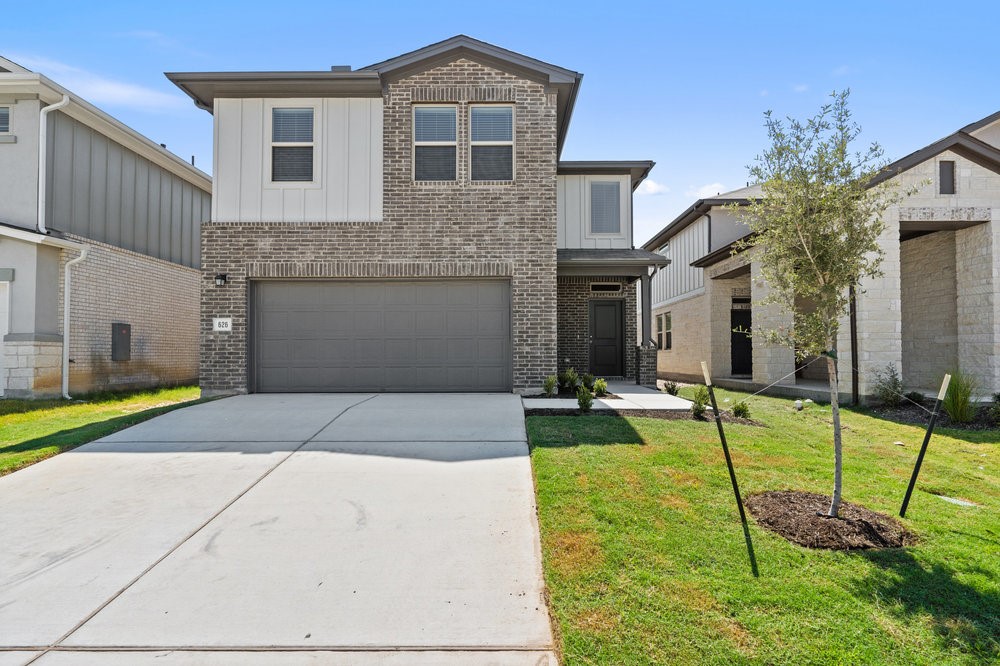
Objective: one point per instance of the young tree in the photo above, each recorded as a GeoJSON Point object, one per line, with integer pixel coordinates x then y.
{"type": "Point", "coordinates": [815, 230]}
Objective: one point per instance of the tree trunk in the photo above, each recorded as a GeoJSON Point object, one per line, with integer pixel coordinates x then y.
{"type": "Point", "coordinates": [838, 465]}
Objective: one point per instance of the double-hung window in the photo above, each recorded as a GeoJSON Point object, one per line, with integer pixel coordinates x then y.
{"type": "Point", "coordinates": [4, 119]}
{"type": "Point", "coordinates": [605, 207]}
{"type": "Point", "coordinates": [291, 145]}
{"type": "Point", "coordinates": [492, 142]}
{"type": "Point", "coordinates": [434, 143]}
{"type": "Point", "coordinates": [664, 334]}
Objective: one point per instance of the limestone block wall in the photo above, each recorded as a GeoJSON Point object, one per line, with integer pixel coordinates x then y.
{"type": "Point", "coordinates": [691, 344]}
{"type": "Point", "coordinates": [771, 362]}
{"type": "Point", "coordinates": [32, 369]}
{"type": "Point", "coordinates": [928, 290]}
{"type": "Point", "coordinates": [976, 304]}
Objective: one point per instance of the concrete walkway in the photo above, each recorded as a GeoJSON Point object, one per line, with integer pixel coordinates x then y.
{"type": "Point", "coordinates": [274, 529]}
{"type": "Point", "coordinates": [630, 397]}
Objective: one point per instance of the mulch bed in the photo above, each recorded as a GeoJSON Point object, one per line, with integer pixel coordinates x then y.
{"type": "Point", "coordinates": [664, 414]}
{"type": "Point", "coordinates": [564, 394]}
{"type": "Point", "coordinates": [793, 515]}
{"type": "Point", "coordinates": [910, 413]}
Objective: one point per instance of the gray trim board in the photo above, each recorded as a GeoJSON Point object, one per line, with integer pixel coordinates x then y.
{"type": "Point", "coordinates": [205, 87]}
{"type": "Point", "coordinates": [628, 263]}
{"type": "Point", "coordinates": [715, 257]}
{"type": "Point", "coordinates": [638, 170]}
{"type": "Point", "coordinates": [6, 274]}
{"type": "Point", "coordinates": [33, 337]}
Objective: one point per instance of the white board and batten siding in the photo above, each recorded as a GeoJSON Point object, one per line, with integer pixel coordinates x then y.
{"type": "Point", "coordinates": [347, 166]}
{"type": "Point", "coordinates": [573, 213]}
{"type": "Point", "coordinates": [681, 280]}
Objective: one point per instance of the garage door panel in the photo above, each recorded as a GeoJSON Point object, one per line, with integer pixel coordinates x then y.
{"type": "Point", "coordinates": [443, 335]}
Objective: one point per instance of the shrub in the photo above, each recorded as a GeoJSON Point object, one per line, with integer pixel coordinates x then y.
{"type": "Point", "coordinates": [549, 385]}
{"type": "Point", "coordinates": [672, 388]}
{"type": "Point", "coordinates": [600, 387]}
{"type": "Point", "coordinates": [996, 398]}
{"type": "Point", "coordinates": [588, 381]}
{"type": "Point", "coordinates": [959, 402]}
{"type": "Point", "coordinates": [572, 379]}
{"type": "Point", "coordinates": [916, 396]}
{"type": "Point", "coordinates": [888, 386]}
{"type": "Point", "coordinates": [585, 399]}
{"type": "Point", "coordinates": [994, 413]}
{"type": "Point", "coordinates": [699, 401]}
{"type": "Point", "coordinates": [741, 410]}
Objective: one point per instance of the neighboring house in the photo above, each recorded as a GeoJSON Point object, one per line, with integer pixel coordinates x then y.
{"type": "Point", "coordinates": [408, 227]}
{"type": "Point", "coordinates": [936, 307]}
{"type": "Point", "coordinates": [86, 201]}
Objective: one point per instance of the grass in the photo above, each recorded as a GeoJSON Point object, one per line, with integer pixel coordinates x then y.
{"type": "Point", "coordinates": [645, 560]}
{"type": "Point", "coordinates": [32, 430]}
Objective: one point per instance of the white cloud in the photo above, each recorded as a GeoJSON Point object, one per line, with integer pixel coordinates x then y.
{"type": "Point", "coordinates": [800, 88]}
{"type": "Point", "coordinates": [101, 90]}
{"type": "Point", "coordinates": [705, 191]}
{"type": "Point", "coordinates": [650, 187]}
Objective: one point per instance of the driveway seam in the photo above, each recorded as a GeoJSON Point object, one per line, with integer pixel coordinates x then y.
{"type": "Point", "coordinates": [89, 617]}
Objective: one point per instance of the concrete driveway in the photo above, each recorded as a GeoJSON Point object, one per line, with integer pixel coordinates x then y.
{"type": "Point", "coordinates": [273, 529]}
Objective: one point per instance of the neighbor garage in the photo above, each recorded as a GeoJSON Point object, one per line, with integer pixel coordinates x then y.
{"type": "Point", "coordinates": [365, 335]}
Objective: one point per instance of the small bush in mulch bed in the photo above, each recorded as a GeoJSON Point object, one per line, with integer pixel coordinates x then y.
{"type": "Point", "coordinates": [793, 515]}
{"type": "Point", "coordinates": [663, 414]}
{"type": "Point", "coordinates": [907, 412]}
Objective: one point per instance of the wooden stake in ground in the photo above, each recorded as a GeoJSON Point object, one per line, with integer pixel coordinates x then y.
{"type": "Point", "coordinates": [923, 447]}
{"type": "Point", "coordinates": [732, 472]}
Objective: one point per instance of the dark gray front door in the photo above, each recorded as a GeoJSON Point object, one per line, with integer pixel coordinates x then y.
{"type": "Point", "coordinates": [606, 338]}
{"type": "Point", "coordinates": [367, 335]}
{"type": "Point", "coordinates": [742, 345]}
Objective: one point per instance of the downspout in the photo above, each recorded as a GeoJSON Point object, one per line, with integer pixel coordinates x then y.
{"type": "Point", "coordinates": [855, 398]}
{"type": "Point", "coordinates": [66, 300]}
{"type": "Point", "coordinates": [42, 157]}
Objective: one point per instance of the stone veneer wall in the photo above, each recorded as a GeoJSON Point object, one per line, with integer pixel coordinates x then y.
{"type": "Point", "coordinates": [573, 300]}
{"type": "Point", "coordinates": [690, 343]}
{"type": "Point", "coordinates": [160, 299]}
{"type": "Point", "coordinates": [430, 229]}
{"type": "Point", "coordinates": [929, 309]}
{"type": "Point", "coordinates": [33, 369]}
{"type": "Point", "coordinates": [977, 303]}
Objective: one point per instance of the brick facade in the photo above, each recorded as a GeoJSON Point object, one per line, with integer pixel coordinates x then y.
{"type": "Point", "coordinates": [430, 229]}
{"type": "Point", "coordinates": [574, 296]}
{"type": "Point", "coordinates": [160, 301]}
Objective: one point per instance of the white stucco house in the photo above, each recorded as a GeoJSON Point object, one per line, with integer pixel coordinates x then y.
{"type": "Point", "coordinates": [90, 204]}
{"type": "Point", "coordinates": [936, 307]}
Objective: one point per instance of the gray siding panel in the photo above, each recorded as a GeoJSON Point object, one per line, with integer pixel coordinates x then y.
{"type": "Point", "coordinates": [100, 190]}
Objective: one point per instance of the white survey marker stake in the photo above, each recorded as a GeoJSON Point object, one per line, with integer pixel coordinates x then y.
{"type": "Point", "coordinates": [222, 324]}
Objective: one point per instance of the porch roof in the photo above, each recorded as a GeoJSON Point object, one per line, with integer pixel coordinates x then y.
{"type": "Point", "coordinates": [623, 262]}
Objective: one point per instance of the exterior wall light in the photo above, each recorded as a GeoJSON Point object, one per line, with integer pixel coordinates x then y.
{"type": "Point", "coordinates": [220, 279]}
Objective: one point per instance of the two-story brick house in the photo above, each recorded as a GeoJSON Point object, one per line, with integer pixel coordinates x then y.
{"type": "Point", "coordinates": [408, 226]}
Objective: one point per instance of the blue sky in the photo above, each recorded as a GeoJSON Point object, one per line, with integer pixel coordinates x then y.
{"type": "Point", "coordinates": [684, 84]}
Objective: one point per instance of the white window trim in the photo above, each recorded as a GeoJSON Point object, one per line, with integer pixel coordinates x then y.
{"type": "Point", "coordinates": [414, 143]}
{"type": "Point", "coordinates": [624, 196]}
{"type": "Point", "coordinates": [10, 118]}
{"type": "Point", "coordinates": [317, 107]}
{"type": "Point", "coordinates": [512, 143]}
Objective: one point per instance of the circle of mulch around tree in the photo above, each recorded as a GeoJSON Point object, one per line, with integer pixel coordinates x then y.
{"type": "Point", "coordinates": [793, 515]}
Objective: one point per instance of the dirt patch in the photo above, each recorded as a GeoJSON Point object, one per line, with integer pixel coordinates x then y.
{"type": "Point", "coordinates": [793, 515]}
{"type": "Point", "coordinates": [596, 621]}
{"type": "Point", "coordinates": [574, 552]}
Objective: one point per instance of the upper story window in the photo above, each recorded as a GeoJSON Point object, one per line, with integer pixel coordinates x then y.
{"type": "Point", "coordinates": [492, 142]}
{"type": "Point", "coordinates": [946, 180]}
{"type": "Point", "coordinates": [291, 145]}
{"type": "Point", "coordinates": [664, 332]}
{"type": "Point", "coordinates": [4, 119]}
{"type": "Point", "coordinates": [605, 207]}
{"type": "Point", "coordinates": [434, 143]}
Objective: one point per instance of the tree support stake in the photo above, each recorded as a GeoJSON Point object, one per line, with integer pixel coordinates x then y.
{"type": "Point", "coordinates": [923, 447]}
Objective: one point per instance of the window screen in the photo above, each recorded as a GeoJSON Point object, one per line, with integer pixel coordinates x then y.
{"type": "Point", "coordinates": [291, 149]}
{"type": "Point", "coordinates": [492, 135]}
{"type": "Point", "coordinates": [4, 119]}
{"type": "Point", "coordinates": [605, 208]}
{"type": "Point", "coordinates": [947, 179]}
{"type": "Point", "coordinates": [434, 143]}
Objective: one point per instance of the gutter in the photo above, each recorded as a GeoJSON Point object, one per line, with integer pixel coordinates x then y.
{"type": "Point", "coordinates": [43, 156]}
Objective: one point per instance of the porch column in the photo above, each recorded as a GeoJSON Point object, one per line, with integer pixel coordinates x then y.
{"type": "Point", "coordinates": [647, 310]}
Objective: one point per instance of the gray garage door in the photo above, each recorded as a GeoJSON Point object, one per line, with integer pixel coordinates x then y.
{"type": "Point", "coordinates": [381, 336]}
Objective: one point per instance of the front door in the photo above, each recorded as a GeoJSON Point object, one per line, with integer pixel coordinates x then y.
{"type": "Point", "coordinates": [742, 346]}
{"type": "Point", "coordinates": [606, 338]}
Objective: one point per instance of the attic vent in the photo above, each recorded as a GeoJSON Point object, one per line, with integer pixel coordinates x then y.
{"type": "Point", "coordinates": [605, 287]}
{"type": "Point", "coordinates": [340, 68]}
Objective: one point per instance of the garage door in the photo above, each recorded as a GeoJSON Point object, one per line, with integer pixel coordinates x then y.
{"type": "Point", "coordinates": [381, 336]}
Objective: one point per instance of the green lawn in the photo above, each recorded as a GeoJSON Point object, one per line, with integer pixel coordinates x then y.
{"type": "Point", "coordinates": [646, 564]}
{"type": "Point", "coordinates": [31, 430]}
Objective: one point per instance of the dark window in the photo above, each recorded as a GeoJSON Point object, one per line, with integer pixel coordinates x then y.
{"type": "Point", "coordinates": [434, 143]}
{"type": "Point", "coordinates": [291, 145]}
{"type": "Point", "coordinates": [605, 208]}
{"type": "Point", "coordinates": [492, 136]}
{"type": "Point", "coordinates": [947, 176]}
{"type": "Point", "coordinates": [4, 119]}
